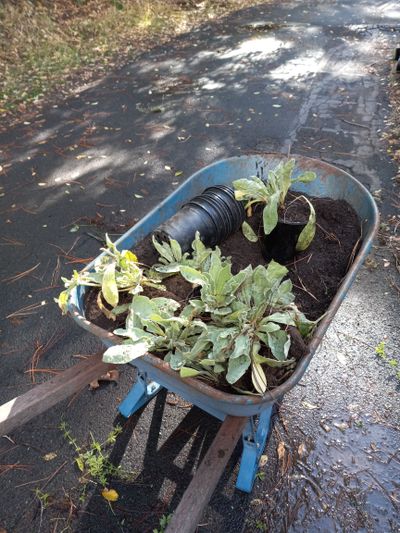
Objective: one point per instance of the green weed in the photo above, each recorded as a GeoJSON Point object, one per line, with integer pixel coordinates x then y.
{"type": "Point", "coordinates": [164, 521]}
{"type": "Point", "coordinates": [92, 459]}
{"type": "Point", "coordinates": [392, 363]}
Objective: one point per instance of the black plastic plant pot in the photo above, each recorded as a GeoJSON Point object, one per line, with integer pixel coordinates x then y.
{"type": "Point", "coordinates": [215, 214]}
{"type": "Point", "coordinates": [183, 226]}
{"type": "Point", "coordinates": [280, 244]}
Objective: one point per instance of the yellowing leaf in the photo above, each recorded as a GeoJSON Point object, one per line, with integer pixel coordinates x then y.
{"type": "Point", "coordinates": [109, 286]}
{"type": "Point", "coordinates": [110, 495]}
{"type": "Point", "coordinates": [258, 378]}
{"type": "Point", "coordinates": [130, 256]}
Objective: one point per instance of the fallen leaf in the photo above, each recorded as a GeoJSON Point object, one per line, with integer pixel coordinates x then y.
{"type": "Point", "coordinates": [74, 228]}
{"type": "Point", "coordinates": [324, 426]}
{"type": "Point", "coordinates": [50, 456]}
{"type": "Point", "coordinates": [341, 425]}
{"type": "Point", "coordinates": [263, 460]}
{"type": "Point", "coordinates": [302, 450]}
{"type": "Point", "coordinates": [111, 375]}
{"type": "Point", "coordinates": [110, 495]}
{"type": "Point", "coordinates": [178, 173]}
{"type": "Point", "coordinates": [282, 456]}
{"type": "Point", "coordinates": [309, 406]}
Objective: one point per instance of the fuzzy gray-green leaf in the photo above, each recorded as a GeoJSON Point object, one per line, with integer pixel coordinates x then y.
{"type": "Point", "coordinates": [237, 368]}
{"type": "Point", "coordinates": [124, 353]}
{"type": "Point", "coordinates": [270, 213]}
{"type": "Point", "coordinates": [248, 232]}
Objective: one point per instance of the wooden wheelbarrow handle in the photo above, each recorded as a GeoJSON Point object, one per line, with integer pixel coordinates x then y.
{"type": "Point", "coordinates": [34, 402]}
{"type": "Point", "coordinates": [197, 495]}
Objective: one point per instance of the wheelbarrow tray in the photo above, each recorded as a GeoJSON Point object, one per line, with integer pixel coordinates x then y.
{"type": "Point", "coordinates": [331, 182]}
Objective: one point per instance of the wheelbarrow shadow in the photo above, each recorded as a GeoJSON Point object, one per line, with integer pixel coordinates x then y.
{"type": "Point", "coordinates": [167, 467]}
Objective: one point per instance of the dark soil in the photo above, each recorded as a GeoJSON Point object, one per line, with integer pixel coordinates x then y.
{"type": "Point", "coordinates": [296, 209]}
{"type": "Point", "coordinates": [315, 273]}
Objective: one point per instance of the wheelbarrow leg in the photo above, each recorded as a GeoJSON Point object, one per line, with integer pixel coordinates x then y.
{"type": "Point", "coordinates": [142, 392]}
{"type": "Point", "coordinates": [254, 439]}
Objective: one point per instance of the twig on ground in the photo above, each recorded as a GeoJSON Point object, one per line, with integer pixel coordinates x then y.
{"type": "Point", "coordinates": [20, 275]}
{"type": "Point", "coordinates": [27, 310]}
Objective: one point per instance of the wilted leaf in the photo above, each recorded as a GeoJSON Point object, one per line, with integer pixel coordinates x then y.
{"type": "Point", "coordinates": [110, 495]}
{"type": "Point", "coordinates": [308, 233]}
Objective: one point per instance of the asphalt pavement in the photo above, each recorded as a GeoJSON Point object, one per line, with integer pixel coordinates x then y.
{"type": "Point", "coordinates": [305, 77]}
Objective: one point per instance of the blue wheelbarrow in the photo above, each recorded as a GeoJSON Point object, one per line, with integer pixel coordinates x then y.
{"type": "Point", "coordinates": [253, 413]}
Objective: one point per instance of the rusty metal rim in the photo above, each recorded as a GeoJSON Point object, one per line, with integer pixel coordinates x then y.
{"type": "Point", "coordinates": [302, 365]}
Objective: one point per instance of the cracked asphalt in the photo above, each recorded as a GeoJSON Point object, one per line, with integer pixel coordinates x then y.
{"type": "Point", "coordinates": [305, 76]}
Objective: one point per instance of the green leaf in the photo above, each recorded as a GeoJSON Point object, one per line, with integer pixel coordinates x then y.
{"type": "Point", "coordinates": [258, 377]}
{"type": "Point", "coordinates": [187, 372]}
{"type": "Point", "coordinates": [273, 362]}
{"type": "Point", "coordinates": [237, 368]}
{"type": "Point", "coordinates": [192, 275]}
{"type": "Point", "coordinates": [242, 346]}
{"type": "Point", "coordinates": [306, 177]}
{"type": "Point", "coordinates": [270, 213]}
{"type": "Point", "coordinates": [281, 318]}
{"type": "Point", "coordinates": [164, 250]}
{"type": "Point", "coordinates": [248, 232]}
{"type": "Point", "coordinates": [109, 287]}
{"type": "Point", "coordinates": [308, 233]}
{"type": "Point", "coordinates": [143, 306]}
{"type": "Point", "coordinates": [80, 463]}
{"type": "Point", "coordinates": [207, 362]}
{"type": "Point", "coordinates": [254, 190]}
{"type": "Point", "coordinates": [284, 173]}
{"type": "Point", "coordinates": [124, 353]}
{"type": "Point", "coordinates": [176, 249]}
{"type": "Point", "coordinates": [279, 343]}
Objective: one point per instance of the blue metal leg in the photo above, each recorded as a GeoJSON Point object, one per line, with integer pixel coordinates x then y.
{"type": "Point", "coordinates": [142, 391]}
{"type": "Point", "coordinates": [254, 439]}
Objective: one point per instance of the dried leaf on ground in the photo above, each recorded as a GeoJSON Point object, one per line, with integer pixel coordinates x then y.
{"type": "Point", "coordinates": [111, 375]}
